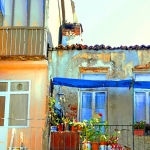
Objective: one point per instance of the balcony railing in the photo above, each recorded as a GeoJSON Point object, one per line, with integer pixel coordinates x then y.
{"type": "Point", "coordinates": [22, 41]}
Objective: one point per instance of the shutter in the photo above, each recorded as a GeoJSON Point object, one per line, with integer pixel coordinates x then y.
{"type": "Point", "coordinates": [86, 112]}
{"type": "Point", "coordinates": [100, 104]}
{"type": "Point", "coordinates": [140, 106]}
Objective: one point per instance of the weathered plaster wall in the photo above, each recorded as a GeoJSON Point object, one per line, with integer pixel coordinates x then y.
{"type": "Point", "coordinates": [120, 62]}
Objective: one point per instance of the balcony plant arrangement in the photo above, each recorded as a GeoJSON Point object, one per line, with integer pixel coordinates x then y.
{"type": "Point", "coordinates": [139, 128]}
{"type": "Point", "coordinates": [91, 133]}
{"type": "Point", "coordinates": [54, 120]}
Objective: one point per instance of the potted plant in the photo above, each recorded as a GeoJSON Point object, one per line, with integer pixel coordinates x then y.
{"type": "Point", "coordinates": [66, 122]}
{"type": "Point", "coordinates": [54, 120]}
{"type": "Point", "coordinates": [139, 127]}
{"type": "Point", "coordinates": [92, 131]}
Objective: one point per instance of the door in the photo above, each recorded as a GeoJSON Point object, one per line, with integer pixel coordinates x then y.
{"type": "Point", "coordinates": [3, 122]}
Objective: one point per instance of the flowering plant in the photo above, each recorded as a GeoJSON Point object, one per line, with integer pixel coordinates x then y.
{"type": "Point", "coordinates": [139, 125]}
{"type": "Point", "coordinates": [92, 130]}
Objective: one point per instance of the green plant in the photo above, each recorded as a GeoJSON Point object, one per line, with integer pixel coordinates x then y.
{"type": "Point", "coordinates": [66, 120]}
{"type": "Point", "coordinates": [104, 138]}
{"type": "Point", "coordinates": [92, 129]}
{"type": "Point", "coordinates": [54, 120]}
{"type": "Point", "coordinates": [139, 125]}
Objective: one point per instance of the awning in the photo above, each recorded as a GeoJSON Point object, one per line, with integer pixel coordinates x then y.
{"type": "Point", "coordinates": [2, 6]}
{"type": "Point", "coordinates": [81, 83]}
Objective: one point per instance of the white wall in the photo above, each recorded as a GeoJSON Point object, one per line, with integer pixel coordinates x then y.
{"type": "Point", "coordinates": [55, 19]}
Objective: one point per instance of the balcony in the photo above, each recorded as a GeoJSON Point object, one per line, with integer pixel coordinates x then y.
{"type": "Point", "coordinates": [29, 41]}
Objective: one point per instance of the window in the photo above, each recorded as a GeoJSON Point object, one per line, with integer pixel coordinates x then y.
{"type": "Point", "coordinates": [14, 102]}
{"type": "Point", "coordinates": [95, 101]}
{"type": "Point", "coordinates": [142, 100]}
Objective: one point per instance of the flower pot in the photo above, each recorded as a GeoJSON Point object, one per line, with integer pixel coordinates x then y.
{"type": "Point", "coordinates": [73, 128]}
{"type": "Point", "coordinates": [139, 132]}
{"type": "Point", "coordinates": [95, 146]}
{"type": "Point", "coordinates": [66, 127]}
{"type": "Point", "coordinates": [79, 128]}
{"type": "Point", "coordinates": [60, 127]}
{"type": "Point", "coordinates": [53, 128]}
{"type": "Point", "coordinates": [86, 145]}
{"type": "Point", "coordinates": [103, 146]}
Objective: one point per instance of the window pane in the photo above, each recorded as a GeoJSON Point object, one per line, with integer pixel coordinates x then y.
{"type": "Point", "coordinates": [100, 104]}
{"type": "Point", "coordinates": [2, 110]}
{"type": "Point", "coordinates": [142, 77]}
{"type": "Point", "coordinates": [18, 109]}
{"type": "Point", "coordinates": [19, 86]}
{"type": "Point", "coordinates": [140, 106]}
{"type": "Point", "coordinates": [86, 106]}
{"type": "Point", "coordinates": [94, 76]}
{"type": "Point", "coordinates": [3, 86]}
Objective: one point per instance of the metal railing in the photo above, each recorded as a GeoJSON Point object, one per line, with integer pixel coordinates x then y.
{"type": "Point", "coordinates": [125, 135]}
{"type": "Point", "coordinates": [22, 41]}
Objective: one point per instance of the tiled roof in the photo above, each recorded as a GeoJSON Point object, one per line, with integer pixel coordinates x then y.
{"type": "Point", "coordinates": [100, 47]}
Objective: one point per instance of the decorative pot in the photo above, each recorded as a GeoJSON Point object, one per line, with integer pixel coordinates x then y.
{"type": "Point", "coordinates": [60, 127]}
{"type": "Point", "coordinates": [103, 146]}
{"type": "Point", "coordinates": [86, 145]}
{"type": "Point", "coordinates": [73, 128]}
{"type": "Point", "coordinates": [53, 128]}
{"type": "Point", "coordinates": [66, 127]}
{"type": "Point", "coordinates": [139, 132]}
{"type": "Point", "coordinates": [95, 146]}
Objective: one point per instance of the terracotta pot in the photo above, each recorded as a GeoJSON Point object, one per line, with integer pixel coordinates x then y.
{"type": "Point", "coordinates": [139, 132]}
{"type": "Point", "coordinates": [60, 127]}
{"type": "Point", "coordinates": [73, 128]}
{"type": "Point", "coordinates": [95, 146]}
{"type": "Point", "coordinates": [79, 128]}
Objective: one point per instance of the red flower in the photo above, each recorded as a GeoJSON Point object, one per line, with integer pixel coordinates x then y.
{"type": "Point", "coordinates": [100, 114]}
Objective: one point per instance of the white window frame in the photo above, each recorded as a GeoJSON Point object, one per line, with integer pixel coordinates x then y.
{"type": "Point", "coordinates": [7, 101]}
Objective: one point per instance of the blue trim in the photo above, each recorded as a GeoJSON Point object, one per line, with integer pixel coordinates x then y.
{"type": "Point", "coordinates": [81, 83]}
{"type": "Point", "coordinates": [2, 7]}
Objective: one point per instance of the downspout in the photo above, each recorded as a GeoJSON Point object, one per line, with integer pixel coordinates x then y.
{"type": "Point", "coordinates": [63, 11]}
{"type": "Point", "coordinates": [132, 93]}
{"type": "Point", "coordinates": [13, 9]}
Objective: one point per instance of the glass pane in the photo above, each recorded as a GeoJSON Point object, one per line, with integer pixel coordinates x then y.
{"type": "Point", "coordinates": [140, 106]}
{"type": "Point", "coordinates": [142, 77]}
{"type": "Point", "coordinates": [2, 110]}
{"type": "Point", "coordinates": [100, 104]}
{"type": "Point", "coordinates": [19, 86]}
{"type": "Point", "coordinates": [86, 106]}
{"type": "Point", "coordinates": [94, 76]}
{"type": "Point", "coordinates": [3, 86]}
{"type": "Point", "coordinates": [18, 109]}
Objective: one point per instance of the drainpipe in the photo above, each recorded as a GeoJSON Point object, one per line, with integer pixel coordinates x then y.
{"type": "Point", "coordinates": [63, 11]}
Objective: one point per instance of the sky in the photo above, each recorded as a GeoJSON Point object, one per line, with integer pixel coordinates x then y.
{"type": "Point", "coordinates": [114, 22]}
